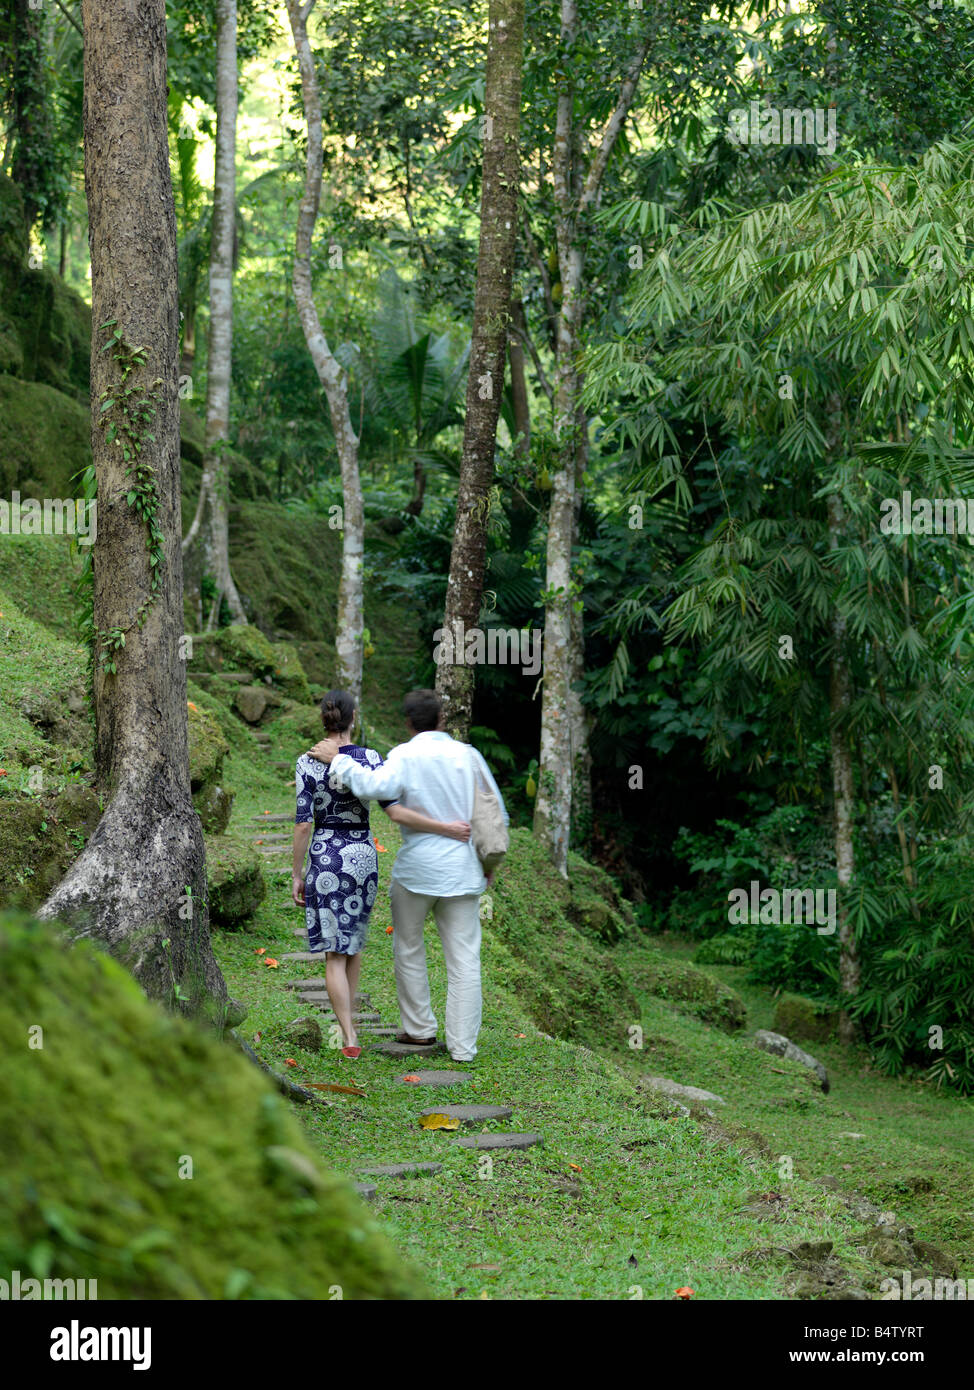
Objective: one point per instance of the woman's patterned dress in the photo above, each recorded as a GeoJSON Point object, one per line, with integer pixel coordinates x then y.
{"type": "Point", "coordinates": [342, 877]}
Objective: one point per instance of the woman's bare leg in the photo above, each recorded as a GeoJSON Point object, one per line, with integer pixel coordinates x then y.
{"type": "Point", "coordinates": [337, 984]}
{"type": "Point", "coordinates": [353, 970]}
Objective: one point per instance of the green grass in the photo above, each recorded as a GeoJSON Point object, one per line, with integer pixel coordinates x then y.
{"type": "Point", "coordinates": [618, 1177]}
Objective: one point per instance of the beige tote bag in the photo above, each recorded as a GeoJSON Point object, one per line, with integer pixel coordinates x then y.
{"type": "Point", "coordinates": [488, 833]}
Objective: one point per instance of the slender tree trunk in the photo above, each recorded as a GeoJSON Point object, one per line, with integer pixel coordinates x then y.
{"type": "Point", "coordinates": [519, 383]}
{"type": "Point", "coordinates": [843, 789]}
{"type": "Point", "coordinates": [564, 736]}
{"type": "Point", "coordinates": [140, 884]}
{"type": "Point", "coordinates": [495, 267]}
{"type": "Point", "coordinates": [580, 720]}
{"type": "Point", "coordinates": [210, 529]}
{"type": "Point", "coordinates": [31, 137]}
{"type": "Point", "coordinates": [348, 636]}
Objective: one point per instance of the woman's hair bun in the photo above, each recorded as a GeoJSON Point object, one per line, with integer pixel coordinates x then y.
{"type": "Point", "coordinates": [337, 711]}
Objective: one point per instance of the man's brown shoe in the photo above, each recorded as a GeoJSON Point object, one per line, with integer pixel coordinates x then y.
{"type": "Point", "coordinates": [414, 1042]}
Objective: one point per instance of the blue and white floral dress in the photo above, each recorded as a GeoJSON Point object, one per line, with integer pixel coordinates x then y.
{"type": "Point", "coordinates": [342, 876]}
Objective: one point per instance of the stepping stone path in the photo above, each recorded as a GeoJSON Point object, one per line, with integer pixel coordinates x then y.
{"type": "Point", "coordinates": [313, 995]}
{"type": "Point", "coordinates": [435, 1078]}
{"type": "Point", "coordinates": [499, 1141]}
{"type": "Point", "coordinates": [400, 1170]}
{"type": "Point", "coordinates": [469, 1115]}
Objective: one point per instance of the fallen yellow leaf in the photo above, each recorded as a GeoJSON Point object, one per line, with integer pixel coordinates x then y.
{"type": "Point", "coordinates": [439, 1122]}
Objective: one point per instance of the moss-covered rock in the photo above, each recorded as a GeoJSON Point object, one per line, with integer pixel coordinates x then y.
{"type": "Point", "coordinates": [207, 746]}
{"type": "Point", "coordinates": [569, 984]}
{"type": "Point", "coordinates": [235, 884]}
{"type": "Point", "coordinates": [207, 749]}
{"type": "Point", "coordinates": [798, 1017]}
{"type": "Point", "coordinates": [45, 440]}
{"type": "Point", "coordinates": [42, 834]}
{"type": "Point", "coordinates": [138, 1151]}
{"type": "Point", "coordinates": [290, 675]}
{"type": "Point", "coordinates": [689, 990]}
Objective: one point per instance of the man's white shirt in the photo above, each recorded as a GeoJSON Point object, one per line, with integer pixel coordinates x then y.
{"type": "Point", "coordinates": [432, 773]}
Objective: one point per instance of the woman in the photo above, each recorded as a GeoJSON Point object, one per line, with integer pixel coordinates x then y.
{"type": "Point", "coordinates": [338, 890]}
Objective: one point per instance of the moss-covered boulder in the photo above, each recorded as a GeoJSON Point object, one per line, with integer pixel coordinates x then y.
{"type": "Point", "coordinates": [569, 983]}
{"type": "Point", "coordinates": [42, 834]}
{"type": "Point", "coordinates": [45, 440]}
{"type": "Point", "coordinates": [597, 906]}
{"type": "Point", "coordinates": [235, 884]}
{"type": "Point", "coordinates": [138, 1151]}
{"type": "Point", "coordinates": [689, 990]}
{"type": "Point", "coordinates": [798, 1017]}
{"type": "Point", "coordinates": [207, 749]}
{"type": "Point", "coordinates": [290, 675]}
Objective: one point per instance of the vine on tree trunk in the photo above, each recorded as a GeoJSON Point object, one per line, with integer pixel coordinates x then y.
{"type": "Point", "coordinates": [133, 407]}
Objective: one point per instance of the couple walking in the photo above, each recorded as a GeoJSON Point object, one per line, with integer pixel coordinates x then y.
{"type": "Point", "coordinates": [427, 786]}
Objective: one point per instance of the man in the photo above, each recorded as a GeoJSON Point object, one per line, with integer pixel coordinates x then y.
{"type": "Point", "coordinates": [436, 774]}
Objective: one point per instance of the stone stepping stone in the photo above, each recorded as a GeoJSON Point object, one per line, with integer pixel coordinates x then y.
{"type": "Point", "coordinates": [398, 1049]}
{"type": "Point", "coordinates": [277, 839]}
{"type": "Point", "coordinates": [469, 1115]}
{"type": "Point", "coordinates": [243, 677]}
{"type": "Point", "coordinates": [280, 763]}
{"type": "Point", "coordinates": [306, 957]}
{"type": "Point", "coordinates": [400, 1170]}
{"type": "Point", "coordinates": [273, 849]}
{"type": "Point", "coordinates": [499, 1141]}
{"type": "Point", "coordinates": [366, 1190]}
{"type": "Point", "coordinates": [435, 1078]}
{"type": "Point", "coordinates": [274, 819]}
{"type": "Point", "coordinates": [318, 983]}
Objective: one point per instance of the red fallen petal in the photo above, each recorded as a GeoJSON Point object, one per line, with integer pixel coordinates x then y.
{"type": "Point", "coordinates": [410, 1078]}
{"type": "Point", "coordinates": [290, 1062]}
{"type": "Point", "coordinates": [684, 1293]}
{"type": "Point", "coordinates": [388, 931]}
{"type": "Point", "coordinates": [260, 950]}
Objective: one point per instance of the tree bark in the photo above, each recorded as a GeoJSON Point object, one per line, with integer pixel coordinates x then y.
{"type": "Point", "coordinates": [31, 136]}
{"type": "Point", "coordinates": [564, 738]}
{"type": "Point", "coordinates": [843, 790]}
{"type": "Point", "coordinates": [139, 886]}
{"type": "Point", "coordinates": [519, 384]}
{"type": "Point", "coordinates": [210, 528]}
{"type": "Point", "coordinates": [350, 620]}
{"type": "Point", "coordinates": [491, 319]}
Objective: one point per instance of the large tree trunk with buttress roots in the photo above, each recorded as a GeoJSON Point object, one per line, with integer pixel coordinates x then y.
{"type": "Point", "coordinates": [210, 529]}
{"type": "Point", "coordinates": [350, 617]}
{"type": "Point", "coordinates": [491, 315]}
{"type": "Point", "coordinates": [141, 882]}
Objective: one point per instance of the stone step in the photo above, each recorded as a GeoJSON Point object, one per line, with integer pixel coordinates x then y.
{"type": "Point", "coordinates": [273, 849]}
{"type": "Point", "coordinates": [280, 763]}
{"type": "Point", "coordinates": [366, 1190]}
{"type": "Point", "coordinates": [434, 1078]}
{"type": "Point", "coordinates": [400, 1170]}
{"type": "Point", "coordinates": [304, 986]}
{"type": "Point", "coordinates": [356, 1018]}
{"type": "Point", "coordinates": [277, 839]}
{"type": "Point", "coordinates": [398, 1049]}
{"type": "Point", "coordinates": [499, 1141]}
{"type": "Point", "coordinates": [242, 677]}
{"type": "Point", "coordinates": [470, 1115]}
{"type": "Point", "coordinates": [306, 957]}
{"type": "Point", "coordinates": [273, 819]}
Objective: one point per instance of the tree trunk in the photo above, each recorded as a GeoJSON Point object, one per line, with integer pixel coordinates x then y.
{"type": "Point", "coordinates": [495, 266]}
{"type": "Point", "coordinates": [519, 384]}
{"type": "Point", "coordinates": [31, 137]}
{"type": "Point", "coordinates": [581, 828]}
{"type": "Point", "coordinates": [348, 635]}
{"type": "Point", "coordinates": [843, 790]}
{"type": "Point", "coordinates": [139, 887]}
{"type": "Point", "coordinates": [564, 734]}
{"type": "Point", "coordinates": [210, 528]}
